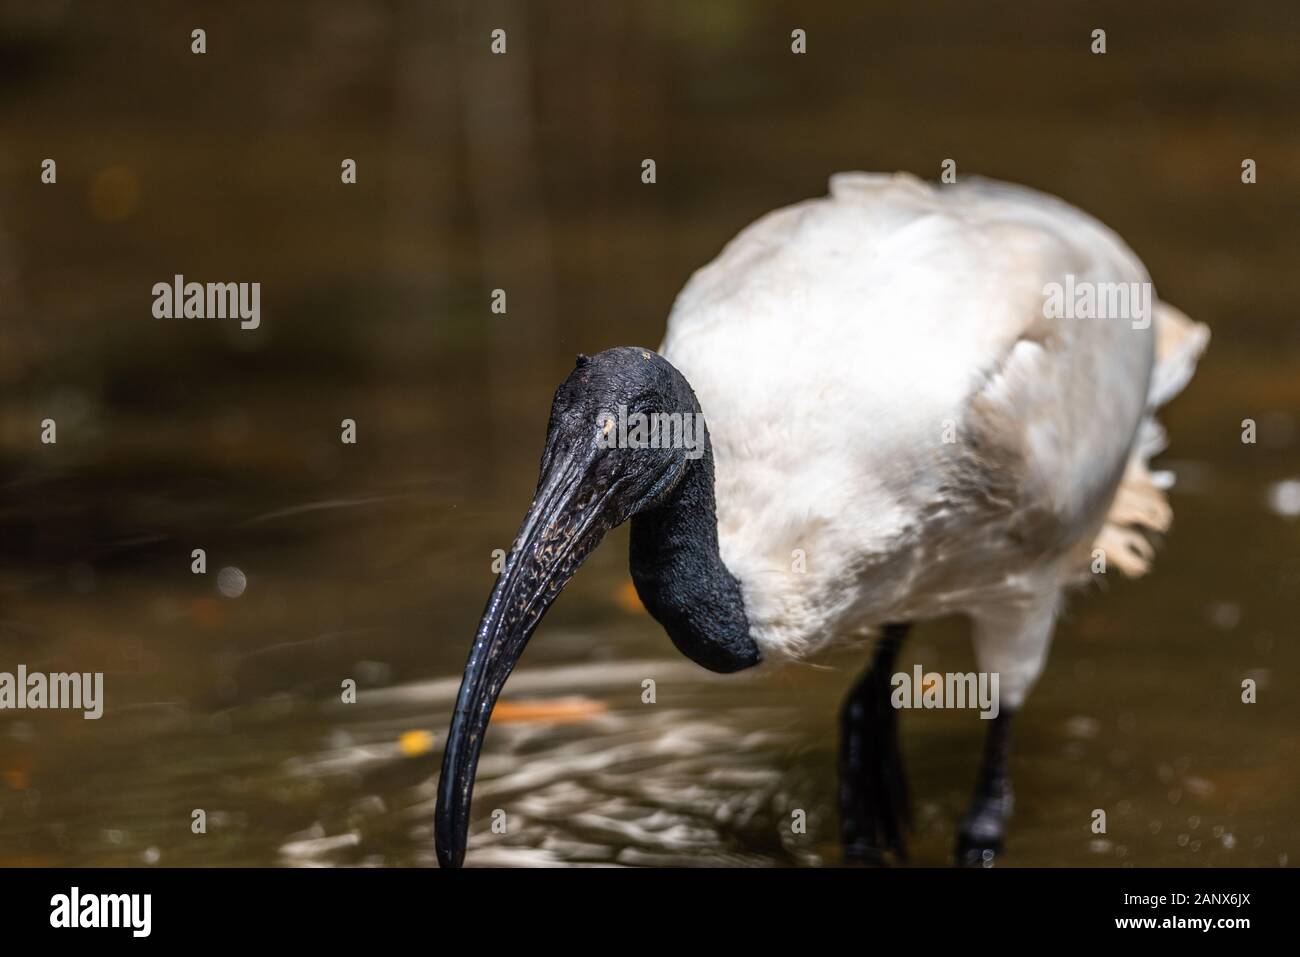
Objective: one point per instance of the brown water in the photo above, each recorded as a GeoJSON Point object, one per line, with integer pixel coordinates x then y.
{"type": "Point", "coordinates": [372, 562]}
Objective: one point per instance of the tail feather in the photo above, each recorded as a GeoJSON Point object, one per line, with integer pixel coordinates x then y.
{"type": "Point", "coordinates": [1140, 509]}
{"type": "Point", "coordinates": [1179, 343]}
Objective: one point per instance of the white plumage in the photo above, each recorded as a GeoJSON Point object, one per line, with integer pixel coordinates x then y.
{"type": "Point", "coordinates": [887, 398]}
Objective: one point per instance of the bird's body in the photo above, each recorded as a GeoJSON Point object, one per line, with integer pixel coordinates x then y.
{"type": "Point", "coordinates": [907, 417]}
{"type": "Point", "coordinates": [900, 432]}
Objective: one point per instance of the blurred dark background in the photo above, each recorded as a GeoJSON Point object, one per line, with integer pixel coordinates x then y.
{"type": "Point", "coordinates": [522, 172]}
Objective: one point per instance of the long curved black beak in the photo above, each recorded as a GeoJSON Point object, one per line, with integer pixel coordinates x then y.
{"type": "Point", "coordinates": [566, 521]}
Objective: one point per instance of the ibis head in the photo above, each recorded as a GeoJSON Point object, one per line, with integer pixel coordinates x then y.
{"type": "Point", "coordinates": [626, 440]}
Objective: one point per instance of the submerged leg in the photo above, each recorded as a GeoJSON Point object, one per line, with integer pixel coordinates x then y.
{"type": "Point", "coordinates": [980, 837]}
{"type": "Point", "coordinates": [873, 788]}
{"type": "Point", "coordinates": [1011, 642]}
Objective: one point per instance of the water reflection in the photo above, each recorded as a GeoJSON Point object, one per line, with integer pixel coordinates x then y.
{"type": "Point", "coordinates": [590, 779]}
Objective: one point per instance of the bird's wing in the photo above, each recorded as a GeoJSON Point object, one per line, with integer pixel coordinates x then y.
{"type": "Point", "coordinates": [887, 397]}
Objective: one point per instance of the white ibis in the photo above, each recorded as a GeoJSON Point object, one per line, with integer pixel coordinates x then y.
{"type": "Point", "coordinates": [906, 418]}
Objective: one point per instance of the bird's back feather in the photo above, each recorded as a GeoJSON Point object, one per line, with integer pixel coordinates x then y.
{"type": "Point", "coordinates": [900, 431]}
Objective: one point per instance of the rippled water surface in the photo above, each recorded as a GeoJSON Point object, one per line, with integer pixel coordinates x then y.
{"type": "Point", "coordinates": [372, 562]}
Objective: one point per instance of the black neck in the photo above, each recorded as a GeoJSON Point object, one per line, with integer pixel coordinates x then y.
{"type": "Point", "coordinates": [681, 578]}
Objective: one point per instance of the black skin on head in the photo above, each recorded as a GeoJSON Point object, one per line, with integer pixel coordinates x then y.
{"type": "Point", "coordinates": [674, 558]}
{"type": "Point", "coordinates": [587, 486]}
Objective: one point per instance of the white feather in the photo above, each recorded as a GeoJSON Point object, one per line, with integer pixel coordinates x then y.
{"type": "Point", "coordinates": [886, 398]}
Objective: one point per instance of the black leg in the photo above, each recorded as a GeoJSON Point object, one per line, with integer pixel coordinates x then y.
{"type": "Point", "coordinates": [979, 839]}
{"type": "Point", "coordinates": [873, 788]}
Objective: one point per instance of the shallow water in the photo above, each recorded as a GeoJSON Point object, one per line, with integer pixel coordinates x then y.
{"type": "Point", "coordinates": [373, 562]}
